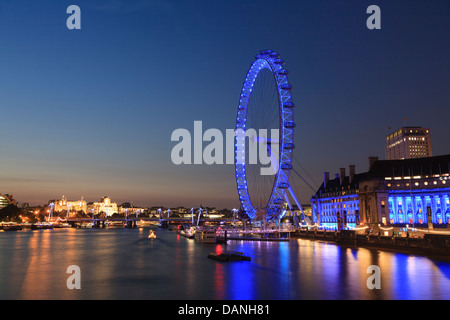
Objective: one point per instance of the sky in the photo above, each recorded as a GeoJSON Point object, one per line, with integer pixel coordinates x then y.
{"type": "Point", "coordinates": [90, 113]}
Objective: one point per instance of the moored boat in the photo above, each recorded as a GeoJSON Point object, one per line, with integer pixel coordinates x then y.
{"type": "Point", "coordinates": [11, 227]}
{"type": "Point", "coordinates": [188, 232]}
{"type": "Point", "coordinates": [206, 236]}
{"type": "Point", "coordinates": [229, 256]}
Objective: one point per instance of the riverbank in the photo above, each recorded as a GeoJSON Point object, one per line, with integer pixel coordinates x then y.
{"type": "Point", "coordinates": [431, 245]}
{"type": "Point", "coordinates": [254, 239]}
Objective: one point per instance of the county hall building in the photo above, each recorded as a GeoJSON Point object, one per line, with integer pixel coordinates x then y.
{"type": "Point", "coordinates": [414, 192]}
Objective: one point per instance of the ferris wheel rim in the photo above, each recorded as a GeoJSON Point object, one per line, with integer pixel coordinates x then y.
{"type": "Point", "coordinates": [267, 59]}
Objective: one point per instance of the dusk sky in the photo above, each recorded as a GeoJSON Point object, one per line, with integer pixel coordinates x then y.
{"type": "Point", "coordinates": [90, 113]}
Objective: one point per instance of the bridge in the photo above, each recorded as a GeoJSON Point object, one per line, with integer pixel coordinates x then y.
{"type": "Point", "coordinates": [131, 222]}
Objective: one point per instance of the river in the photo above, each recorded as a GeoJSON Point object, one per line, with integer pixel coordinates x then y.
{"type": "Point", "coordinates": [118, 263]}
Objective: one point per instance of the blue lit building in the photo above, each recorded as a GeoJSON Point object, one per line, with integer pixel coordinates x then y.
{"type": "Point", "coordinates": [413, 192]}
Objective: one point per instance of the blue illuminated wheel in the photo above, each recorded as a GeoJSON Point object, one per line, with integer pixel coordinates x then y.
{"type": "Point", "coordinates": [270, 62]}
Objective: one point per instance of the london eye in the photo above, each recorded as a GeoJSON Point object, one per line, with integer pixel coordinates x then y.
{"type": "Point", "coordinates": [265, 118]}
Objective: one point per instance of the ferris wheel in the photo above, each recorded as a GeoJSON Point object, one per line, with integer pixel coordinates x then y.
{"type": "Point", "coordinates": [265, 102]}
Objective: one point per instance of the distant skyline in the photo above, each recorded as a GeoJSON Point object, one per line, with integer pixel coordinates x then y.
{"type": "Point", "coordinates": [90, 112]}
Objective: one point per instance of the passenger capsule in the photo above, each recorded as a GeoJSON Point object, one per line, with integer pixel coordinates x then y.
{"type": "Point", "coordinates": [288, 146]}
{"type": "Point", "coordinates": [289, 104]}
{"type": "Point", "coordinates": [289, 124]}
{"type": "Point", "coordinates": [286, 166]}
{"type": "Point", "coordinates": [278, 201]}
{"type": "Point", "coordinates": [283, 185]}
{"type": "Point", "coordinates": [286, 87]}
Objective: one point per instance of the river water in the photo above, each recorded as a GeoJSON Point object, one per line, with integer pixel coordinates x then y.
{"type": "Point", "coordinates": [117, 263]}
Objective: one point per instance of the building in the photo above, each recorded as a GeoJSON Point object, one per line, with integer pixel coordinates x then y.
{"type": "Point", "coordinates": [413, 192]}
{"type": "Point", "coordinates": [68, 205]}
{"type": "Point", "coordinates": [6, 200]}
{"type": "Point", "coordinates": [336, 203]}
{"type": "Point", "coordinates": [408, 143]}
{"type": "Point", "coordinates": [127, 209]}
{"type": "Point", "coordinates": [105, 206]}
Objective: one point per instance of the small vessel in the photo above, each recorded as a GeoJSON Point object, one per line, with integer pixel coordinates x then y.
{"type": "Point", "coordinates": [229, 256]}
{"type": "Point", "coordinates": [205, 236]}
{"type": "Point", "coordinates": [188, 232]}
{"type": "Point", "coordinates": [11, 227]}
{"type": "Point", "coordinates": [115, 224]}
{"type": "Point", "coordinates": [43, 226]}
{"type": "Point", "coordinates": [84, 225]}
{"type": "Point", "coordinates": [61, 225]}
{"type": "Point", "coordinates": [152, 234]}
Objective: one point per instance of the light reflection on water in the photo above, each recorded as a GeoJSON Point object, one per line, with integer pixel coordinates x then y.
{"type": "Point", "coordinates": [124, 264]}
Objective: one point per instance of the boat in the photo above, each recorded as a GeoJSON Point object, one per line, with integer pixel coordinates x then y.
{"type": "Point", "coordinates": [61, 225]}
{"type": "Point", "coordinates": [188, 232]}
{"type": "Point", "coordinates": [229, 256]}
{"type": "Point", "coordinates": [43, 226]}
{"type": "Point", "coordinates": [206, 236]}
{"type": "Point", "coordinates": [152, 234]}
{"type": "Point", "coordinates": [142, 223]}
{"type": "Point", "coordinates": [12, 227]}
{"type": "Point", "coordinates": [115, 224]}
{"type": "Point", "coordinates": [85, 225]}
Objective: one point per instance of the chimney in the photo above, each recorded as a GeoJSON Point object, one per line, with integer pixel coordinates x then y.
{"type": "Point", "coordinates": [351, 169]}
{"type": "Point", "coordinates": [342, 175]}
{"type": "Point", "coordinates": [326, 178]}
{"type": "Point", "coordinates": [372, 161]}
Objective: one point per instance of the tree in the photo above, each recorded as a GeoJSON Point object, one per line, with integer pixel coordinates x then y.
{"type": "Point", "coordinates": [11, 213]}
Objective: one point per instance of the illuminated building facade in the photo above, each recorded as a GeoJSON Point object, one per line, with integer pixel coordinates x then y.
{"type": "Point", "coordinates": [68, 205]}
{"type": "Point", "coordinates": [105, 206]}
{"type": "Point", "coordinates": [336, 205]}
{"type": "Point", "coordinates": [393, 192]}
{"type": "Point", "coordinates": [408, 143]}
{"type": "Point", "coordinates": [6, 200]}
{"type": "Point", "coordinates": [128, 209]}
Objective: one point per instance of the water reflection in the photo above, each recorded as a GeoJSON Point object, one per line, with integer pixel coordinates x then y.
{"type": "Point", "coordinates": [242, 281]}
{"type": "Point", "coordinates": [124, 264]}
{"type": "Point", "coordinates": [38, 270]}
{"type": "Point", "coordinates": [219, 282]}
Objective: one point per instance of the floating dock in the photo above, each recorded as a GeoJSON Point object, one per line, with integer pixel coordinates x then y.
{"type": "Point", "coordinates": [229, 256]}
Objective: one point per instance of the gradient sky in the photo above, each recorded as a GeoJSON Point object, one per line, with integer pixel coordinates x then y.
{"type": "Point", "coordinates": [90, 112]}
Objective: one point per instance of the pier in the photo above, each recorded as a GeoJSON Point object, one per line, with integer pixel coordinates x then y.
{"type": "Point", "coordinates": [260, 234]}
